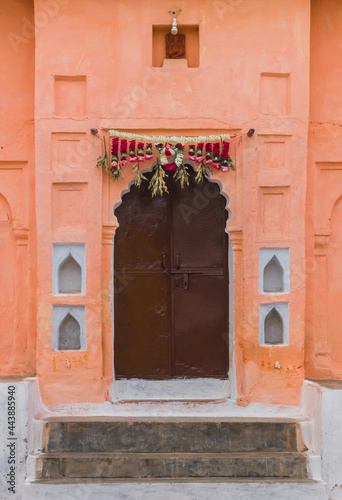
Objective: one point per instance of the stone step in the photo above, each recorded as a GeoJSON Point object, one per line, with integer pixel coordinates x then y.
{"type": "Point", "coordinates": [200, 489]}
{"type": "Point", "coordinates": [172, 465]}
{"type": "Point", "coordinates": [170, 437]}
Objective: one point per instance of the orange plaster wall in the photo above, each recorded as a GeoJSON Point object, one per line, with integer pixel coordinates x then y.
{"type": "Point", "coordinates": [94, 69]}
{"type": "Point", "coordinates": [17, 209]}
{"type": "Point", "coordinates": [323, 331]}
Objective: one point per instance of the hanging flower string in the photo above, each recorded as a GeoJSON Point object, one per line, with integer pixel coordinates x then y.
{"type": "Point", "coordinates": [132, 156]}
{"type": "Point", "coordinates": [149, 151]}
{"type": "Point", "coordinates": [216, 155]}
{"type": "Point", "coordinates": [199, 157]}
{"type": "Point", "coordinates": [208, 153]}
{"type": "Point", "coordinates": [170, 158]}
{"type": "Point", "coordinates": [140, 153]}
{"type": "Point", "coordinates": [115, 151]}
{"type": "Point", "coordinates": [123, 152]}
{"type": "Point", "coordinates": [192, 152]}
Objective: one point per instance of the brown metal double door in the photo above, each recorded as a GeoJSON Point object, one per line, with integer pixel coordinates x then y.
{"type": "Point", "coordinates": [171, 284]}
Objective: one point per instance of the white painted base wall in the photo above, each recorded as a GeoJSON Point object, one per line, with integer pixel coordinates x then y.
{"type": "Point", "coordinates": [13, 447]}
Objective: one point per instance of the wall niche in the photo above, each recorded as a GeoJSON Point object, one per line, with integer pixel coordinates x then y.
{"type": "Point", "coordinates": [274, 324]}
{"type": "Point", "coordinates": [69, 276]}
{"type": "Point", "coordinates": [273, 276]}
{"type": "Point", "coordinates": [69, 334]}
{"type": "Point", "coordinates": [68, 328]}
{"type": "Point", "coordinates": [274, 328]}
{"type": "Point", "coordinates": [68, 269]}
{"type": "Point", "coordinates": [274, 270]}
{"type": "Point", "coordinates": [181, 49]}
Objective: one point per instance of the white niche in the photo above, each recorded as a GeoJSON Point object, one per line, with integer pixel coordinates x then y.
{"type": "Point", "coordinates": [68, 328]}
{"type": "Point", "coordinates": [274, 324]}
{"type": "Point", "coordinates": [274, 270]}
{"type": "Point", "coordinates": [69, 269]}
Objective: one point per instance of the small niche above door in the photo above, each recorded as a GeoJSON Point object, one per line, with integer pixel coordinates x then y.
{"type": "Point", "coordinates": [68, 269]}
{"type": "Point", "coordinates": [178, 51]}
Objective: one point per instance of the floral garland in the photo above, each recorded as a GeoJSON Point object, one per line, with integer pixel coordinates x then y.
{"type": "Point", "coordinates": [163, 139]}
{"type": "Point", "coordinates": [206, 151]}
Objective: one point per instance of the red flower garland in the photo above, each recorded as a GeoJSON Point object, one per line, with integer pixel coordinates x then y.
{"type": "Point", "coordinates": [140, 153]}
{"type": "Point", "coordinates": [208, 153]}
{"type": "Point", "coordinates": [199, 157]}
{"type": "Point", "coordinates": [225, 157]}
{"type": "Point", "coordinates": [132, 156]}
{"type": "Point", "coordinates": [192, 152]}
{"type": "Point", "coordinates": [115, 151]}
{"type": "Point", "coordinates": [123, 151]}
{"type": "Point", "coordinates": [149, 151]}
{"type": "Point", "coordinates": [216, 155]}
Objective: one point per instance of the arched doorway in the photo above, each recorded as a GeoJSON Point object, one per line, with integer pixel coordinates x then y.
{"type": "Point", "coordinates": [171, 283]}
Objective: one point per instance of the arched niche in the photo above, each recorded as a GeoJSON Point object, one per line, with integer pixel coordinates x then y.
{"type": "Point", "coordinates": [69, 268]}
{"type": "Point", "coordinates": [69, 276]}
{"type": "Point", "coordinates": [8, 260]}
{"type": "Point", "coordinates": [69, 334]}
{"type": "Point", "coordinates": [273, 279]}
{"type": "Point", "coordinates": [274, 328]}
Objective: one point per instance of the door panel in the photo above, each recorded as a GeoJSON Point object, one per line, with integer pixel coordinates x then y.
{"type": "Point", "coordinates": [141, 341]}
{"type": "Point", "coordinates": [199, 221]}
{"type": "Point", "coordinates": [200, 339]}
{"type": "Point", "coordinates": [143, 233]}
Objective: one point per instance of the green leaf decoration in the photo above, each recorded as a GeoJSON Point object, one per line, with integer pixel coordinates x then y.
{"type": "Point", "coordinates": [182, 175]}
{"type": "Point", "coordinates": [117, 173]}
{"type": "Point", "coordinates": [103, 161]}
{"type": "Point", "coordinates": [231, 163]}
{"type": "Point", "coordinates": [202, 173]}
{"type": "Point", "coordinates": [139, 177]}
{"type": "Point", "coordinates": [157, 183]}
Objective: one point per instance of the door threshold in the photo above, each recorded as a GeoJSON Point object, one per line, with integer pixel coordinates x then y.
{"type": "Point", "coordinates": [197, 389]}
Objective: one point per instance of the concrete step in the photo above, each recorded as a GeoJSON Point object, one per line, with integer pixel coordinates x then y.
{"type": "Point", "coordinates": [172, 465]}
{"type": "Point", "coordinates": [170, 437]}
{"type": "Point", "coordinates": [224, 489]}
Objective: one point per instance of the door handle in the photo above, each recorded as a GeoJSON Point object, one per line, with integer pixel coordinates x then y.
{"type": "Point", "coordinates": [163, 260]}
{"type": "Point", "coordinates": [178, 260]}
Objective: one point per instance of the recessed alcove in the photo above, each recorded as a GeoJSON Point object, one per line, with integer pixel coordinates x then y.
{"type": "Point", "coordinates": [68, 328]}
{"type": "Point", "coordinates": [273, 276]}
{"type": "Point", "coordinates": [69, 269]}
{"type": "Point", "coordinates": [274, 328]}
{"type": "Point", "coordinates": [69, 334]}
{"type": "Point", "coordinates": [274, 270]}
{"type": "Point", "coordinates": [69, 276]}
{"type": "Point", "coordinates": [274, 324]}
{"type": "Point", "coordinates": [159, 47]}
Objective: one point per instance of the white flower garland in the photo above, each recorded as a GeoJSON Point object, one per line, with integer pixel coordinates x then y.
{"type": "Point", "coordinates": [162, 138]}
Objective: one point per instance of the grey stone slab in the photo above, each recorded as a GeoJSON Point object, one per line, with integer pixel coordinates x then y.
{"type": "Point", "coordinates": [169, 437]}
{"type": "Point", "coordinates": [134, 465]}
